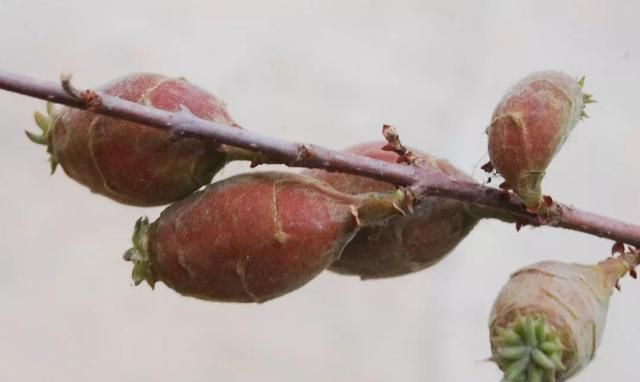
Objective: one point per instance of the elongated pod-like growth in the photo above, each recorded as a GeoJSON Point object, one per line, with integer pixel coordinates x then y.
{"type": "Point", "coordinates": [405, 244]}
{"type": "Point", "coordinates": [530, 125]}
{"type": "Point", "coordinates": [253, 237]}
{"type": "Point", "coordinates": [548, 320]}
{"type": "Point", "coordinates": [133, 163]}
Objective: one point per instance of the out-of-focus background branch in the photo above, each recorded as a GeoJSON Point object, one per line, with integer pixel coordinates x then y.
{"type": "Point", "coordinates": [435, 70]}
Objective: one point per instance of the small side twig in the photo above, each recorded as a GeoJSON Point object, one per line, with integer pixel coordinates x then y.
{"type": "Point", "coordinates": [88, 97]}
{"type": "Point", "coordinates": [65, 81]}
{"type": "Point", "coordinates": [393, 138]}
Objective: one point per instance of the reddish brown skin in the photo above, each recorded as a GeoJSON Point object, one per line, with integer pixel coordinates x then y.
{"type": "Point", "coordinates": [405, 244]}
{"type": "Point", "coordinates": [137, 164]}
{"type": "Point", "coordinates": [249, 238]}
{"type": "Point", "coordinates": [530, 125]}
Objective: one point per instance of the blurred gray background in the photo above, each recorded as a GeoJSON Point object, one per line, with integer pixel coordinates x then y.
{"type": "Point", "coordinates": [331, 73]}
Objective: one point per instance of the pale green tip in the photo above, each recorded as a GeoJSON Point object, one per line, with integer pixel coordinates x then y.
{"type": "Point", "coordinates": [586, 99]}
{"type": "Point", "coordinates": [529, 188]}
{"type": "Point", "coordinates": [139, 254]}
{"type": "Point", "coordinates": [528, 350]}
{"type": "Point", "coordinates": [45, 123]}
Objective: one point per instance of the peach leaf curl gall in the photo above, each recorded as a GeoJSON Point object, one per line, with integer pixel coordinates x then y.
{"type": "Point", "coordinates": [253, 237]}
{"type": "Point", "coordinates": [547, 321]}
{"type": "Point", "coordinates": [530, 125]}
{"type": "Point", "coordinates": [405, 244]}
{"type": "Point", "coordinates": [133, 163]}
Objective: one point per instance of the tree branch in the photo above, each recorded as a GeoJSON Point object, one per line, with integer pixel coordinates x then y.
{"type": "Point", "coordinates": [490, 201]}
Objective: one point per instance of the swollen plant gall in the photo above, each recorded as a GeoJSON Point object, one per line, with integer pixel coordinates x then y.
{"type": "Point", "coordinates": [132, 163]}
{"type": "Point", "coordinates": [252, 237]}
{"type": "Point", "coordinates": [548, 320]}
{"type": "Point", "coordinates": [404, 244]}
{"type": "Point", "coordinates": [530, 125]}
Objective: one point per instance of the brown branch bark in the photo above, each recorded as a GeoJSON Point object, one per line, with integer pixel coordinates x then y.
{"type": "Point", "coordinates": [491, 202]}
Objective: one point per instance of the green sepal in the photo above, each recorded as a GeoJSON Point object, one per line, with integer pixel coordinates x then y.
{"type": "Point", "coordinates": [35, 138]}
{"type": "Point", "coordinates": [586, 99]}
{"type": "Point", "coordinates": [528, 349]}
{"type": "Point", "coordinates": [584, 115]}
{"type": "Point", "coordinates": [139, 254]}
{"type": "Point", "coordinates": [45, 123]}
